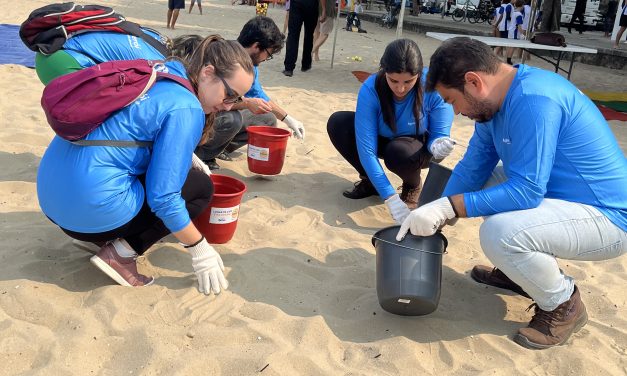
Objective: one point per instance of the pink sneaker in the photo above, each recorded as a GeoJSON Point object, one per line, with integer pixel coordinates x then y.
{"type": "Point", "coordinates": [123, 270]}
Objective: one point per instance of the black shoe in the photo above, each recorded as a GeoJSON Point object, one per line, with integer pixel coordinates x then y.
{"type": "Point", "coordinates": [288, 73]}
{"type": "Point", "coordinates": [303, 69]}
{"type": "Point", "coordinates": [224, 156]}
{"type": "Point", "coordinates": [213, 165]}
{"type": "Point", "coordinates": [362, 189]}
{"type": "Point", "coordinates": [569, 31]}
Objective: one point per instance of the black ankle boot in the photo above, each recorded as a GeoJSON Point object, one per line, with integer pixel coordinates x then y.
{"type": "Point", "coordinates": [362, 189]}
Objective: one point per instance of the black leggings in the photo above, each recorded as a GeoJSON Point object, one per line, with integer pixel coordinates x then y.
{"type": "Point", "coordinates": [404, 156]}
{"type": "Point", "coordinates": [145, 229]}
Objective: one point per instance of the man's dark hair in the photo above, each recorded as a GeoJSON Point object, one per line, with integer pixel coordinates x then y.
{"type": "Point", "coordinates": [264, 31]}
{"type": "Point", "coordinates": [456, 57]}
{"type": "Point", "coordinates": [400, 56]}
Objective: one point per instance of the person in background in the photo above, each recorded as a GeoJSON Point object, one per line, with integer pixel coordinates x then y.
{"type": "Point", "coordinates": [191, 6]}
{"type": "Point", "coordinates": [174, 6]}
{"type": "Point", "coordinates": [610, 17]}
{"type": "Point", "coordinates": [324, 26]}
{"type": "Point", "coordinates": [302, 12]}
{"type": "Point", "coordinates": [503, 19]}
{"type": "Point", "coordinates": [261, 38]}
{"type": "Point", "coordinates": [547, 187]}
{"type": "Point", "coordinates": [127, 199]}
{"type": "Point", "coordinates": [397, 121]}
{"type": "Point", "coordinates": [515, 27]}
{"type": "Point", "coordinates": [578, 13]}
{"type": "Point", "coordinates": [622, 23]}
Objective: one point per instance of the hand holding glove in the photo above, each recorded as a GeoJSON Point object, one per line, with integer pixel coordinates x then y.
{"type": "Point", "coordinates": [208, 267]}
{"type": "Point", "coordinates": [198, 164]}
{"type": "Point", "coordinates": [296, 126]}
{"type": "Point", "coordinates": [398, 209]}
{"type": "Point", "coordinates": [427, 219]}
{"type": "Point", "coordinates": [442, 147]}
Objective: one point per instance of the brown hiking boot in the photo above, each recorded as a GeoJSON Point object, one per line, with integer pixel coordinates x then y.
{"type": "Point", "coordinates": [123, 270]}
{"type": "Point", "coordinates": [494, 277]}
{"type": "Point", "coordinates": [548, 329]}
{"type": "Point", "coordinates": [362, 189]}
{"type": "Point", "coordinates": [410, 195]}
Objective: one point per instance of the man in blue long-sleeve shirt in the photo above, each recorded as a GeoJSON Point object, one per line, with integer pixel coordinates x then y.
{"type": "Point", "coordinates": [561, 191]}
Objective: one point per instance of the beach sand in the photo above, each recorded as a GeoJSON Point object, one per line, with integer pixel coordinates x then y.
{"type": "Point", "coordinates": [301, 267]}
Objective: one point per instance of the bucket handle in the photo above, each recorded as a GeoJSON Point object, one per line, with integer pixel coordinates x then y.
{"type": "Point", "coordinates": [413, 249]}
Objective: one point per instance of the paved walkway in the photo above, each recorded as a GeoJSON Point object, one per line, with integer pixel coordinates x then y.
{"type": "Point", "coordinates": [606, 56]}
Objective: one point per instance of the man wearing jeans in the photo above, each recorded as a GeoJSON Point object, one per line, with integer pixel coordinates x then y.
{"type": "Point", "coordinates": [561, 191]}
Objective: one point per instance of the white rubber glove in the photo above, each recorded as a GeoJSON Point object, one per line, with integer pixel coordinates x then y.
{"type": "Point", "coordinates": [198, 164]}
{"type": "Point", "coordinates": [442, 147]}
{"type": "Point", "coordinates": [208, 267]}
{"type": "Point", "coordinates": [398, 208]}
{"type": "Point", "coordinates": [427, 219]}
{"type": "Point", "coordinates": [296, 126]}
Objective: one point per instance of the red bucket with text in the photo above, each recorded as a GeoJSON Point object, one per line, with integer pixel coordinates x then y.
{"type": "Point", "coordinates": [266, 149]}
{"type": "Point", "coordinates": [218, 222]}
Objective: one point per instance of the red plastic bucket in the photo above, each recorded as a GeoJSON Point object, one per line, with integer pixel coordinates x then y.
{"type": "Point", "coordinates": [266, 149]}
{"type": "Point", "coordinates": [218, 222]}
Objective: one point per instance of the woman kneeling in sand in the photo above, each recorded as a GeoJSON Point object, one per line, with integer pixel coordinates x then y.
{"type": "Point", "coordinates": [397, 121]}
{"type": "Point", "coordinates": [129, 198]}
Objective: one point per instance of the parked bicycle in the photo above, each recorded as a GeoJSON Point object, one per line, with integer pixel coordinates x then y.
{"type": "Point", "coordinates": [466, 12]}
{"type": "Point", "coordinates": [484, 12]}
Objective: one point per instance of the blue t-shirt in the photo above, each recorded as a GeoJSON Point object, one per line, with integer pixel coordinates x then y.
{"type": "Point", "coordinates": [92, 189]}
{"type": "Point", "coordinates": [101, 46]}
{"type": "Point", "coordinates": [256, 91]}
{"type": "Point", "coordinates": [437, 117]}
{"type": "Point", "coordinates": [553, 143]}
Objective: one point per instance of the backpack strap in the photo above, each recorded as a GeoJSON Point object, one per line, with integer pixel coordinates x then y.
{"type": "Point", "coordinates": [178, 79]}
{"type": "Point", "coordinates": [135, 30]}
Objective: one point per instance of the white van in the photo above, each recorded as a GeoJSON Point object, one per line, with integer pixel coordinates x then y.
{"type": "Point", "coordinates": [590, 16]}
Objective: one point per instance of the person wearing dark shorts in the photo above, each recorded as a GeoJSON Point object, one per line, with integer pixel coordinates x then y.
{"type": "Point", "coordinates": [174, 6]}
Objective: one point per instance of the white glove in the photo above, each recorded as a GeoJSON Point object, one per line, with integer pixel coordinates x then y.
{"type": "Point", "coordinates": [198, 164]}
{"type": "Point", "coordinates": [208, 267]}
{"type": "Point", "coordinates": [296, 126]}
{"type": "Point", "coordinates": [398, 208]}
{"type": "Point", "coordinates": [427, 219]}
{"type": "Point", "coordinates": [442, 147]}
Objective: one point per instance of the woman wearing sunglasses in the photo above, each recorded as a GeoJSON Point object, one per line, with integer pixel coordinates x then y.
{"type": "Point", "coordinates": [397, 121]}
{"type": "Point", "coordinates": [127, 199]}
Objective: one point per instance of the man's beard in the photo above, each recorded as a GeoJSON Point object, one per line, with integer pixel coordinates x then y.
{"type": "Point", "coordinates": [255, 58]}
{"type": "Point", "coordinates": [482, 110]}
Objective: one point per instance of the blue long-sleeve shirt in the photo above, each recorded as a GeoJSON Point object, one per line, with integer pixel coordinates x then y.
{"type": "Point", "coordinates": [553, 143]}
{"type": "Point", "coordinates": [437, 117]}
{"type": "Point", "coordinates": [97, 47]}
{"type": "Point", "coordinates": [92, 189]}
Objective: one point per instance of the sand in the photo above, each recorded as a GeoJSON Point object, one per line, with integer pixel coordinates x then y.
{"type": "Point", "coordinates": [301, 266]}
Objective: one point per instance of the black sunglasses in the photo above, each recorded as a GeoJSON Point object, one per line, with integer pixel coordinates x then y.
{"type": "Point", "coordinates": [231, 95]}
{"type": "Point", "coordinates": [269, 54]}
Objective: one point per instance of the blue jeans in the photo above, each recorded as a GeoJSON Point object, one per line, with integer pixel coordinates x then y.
{"type": "Point", "coordinates": [524, 244]}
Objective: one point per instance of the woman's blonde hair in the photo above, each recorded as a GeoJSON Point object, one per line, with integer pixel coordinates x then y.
{"type": "Point", "coordinates": [225, 56]}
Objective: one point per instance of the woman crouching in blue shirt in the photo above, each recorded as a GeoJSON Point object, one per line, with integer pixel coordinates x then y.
{"type": "Point", "coordinates": [130, 198]}
{"type": "Point", "coordinates": [397, 121]}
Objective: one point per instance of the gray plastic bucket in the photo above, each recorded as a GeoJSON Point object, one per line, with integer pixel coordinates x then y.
{"type": "Point", "coordinates": [435, 182]}
{"type": "Point", "coordinates": [409, 272]}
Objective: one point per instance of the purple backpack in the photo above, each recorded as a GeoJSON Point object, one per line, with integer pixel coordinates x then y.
{"type": "Point", "coordinates": [77, 103]}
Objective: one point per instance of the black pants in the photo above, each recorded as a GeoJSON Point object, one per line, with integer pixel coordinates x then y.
{"type": "Point", "coordinates": [228, 124]}
{"type": "Point", "coordinates": [577, 14]}
{"type": "Point", "coordinates": [301, 12]}
{"type": "Point", "coordinates": [404, 156]}
{"type": "Point", "coordinates": [145, 229]}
